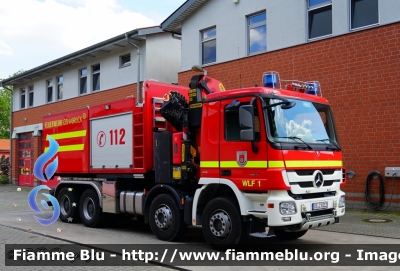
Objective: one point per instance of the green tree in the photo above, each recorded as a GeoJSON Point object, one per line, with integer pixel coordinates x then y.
{"type": "Point", "coordinates": [5, 98]}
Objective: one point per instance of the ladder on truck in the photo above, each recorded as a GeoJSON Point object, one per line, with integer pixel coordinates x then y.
{"type": "Point", "coordinates": [159, 121]}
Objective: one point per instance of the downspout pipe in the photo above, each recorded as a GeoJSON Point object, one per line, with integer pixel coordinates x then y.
{"type": "Point", "coordinates": [139, 97]}
{"type": "Point", "coordinates": [11, 122]}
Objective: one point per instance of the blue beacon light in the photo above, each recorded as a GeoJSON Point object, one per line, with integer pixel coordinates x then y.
{"type": "Point", "coordinates": [271, 80]}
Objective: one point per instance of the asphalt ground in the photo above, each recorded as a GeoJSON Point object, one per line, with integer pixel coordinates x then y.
{"type": "Point", "coordinates": [17, 226]}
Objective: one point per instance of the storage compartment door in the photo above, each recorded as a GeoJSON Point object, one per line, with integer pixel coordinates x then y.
{"type": "Point", "coordinates": [111, 142]}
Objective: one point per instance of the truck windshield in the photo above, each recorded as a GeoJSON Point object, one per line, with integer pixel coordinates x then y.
{"type": "Point", "coordinates": [306, 122]}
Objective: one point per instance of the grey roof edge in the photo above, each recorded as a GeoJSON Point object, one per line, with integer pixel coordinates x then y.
{"type": "Point", "coordinates": [140, 31]}
{"type": "Point", "coordinates": [149, 30]}
{"type": "Point", "coordinates": [176, 16]}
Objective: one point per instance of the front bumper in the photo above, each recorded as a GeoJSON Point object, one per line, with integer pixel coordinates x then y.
{"type": "Point", "coordinates": [305, 218]}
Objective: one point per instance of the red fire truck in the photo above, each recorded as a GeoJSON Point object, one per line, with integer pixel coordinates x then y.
{"type": "Point", "coordinates": [232, 161]}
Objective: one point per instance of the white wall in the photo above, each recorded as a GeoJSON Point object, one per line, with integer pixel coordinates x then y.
{"type": "Point", "coordinates": [111, 76]}
{"type": "Point", "coordinates": [287, 25]}
{"type": "Point", "coordinates": [159, 59]}
{"type": "Point", "coordinates": [163, 58]}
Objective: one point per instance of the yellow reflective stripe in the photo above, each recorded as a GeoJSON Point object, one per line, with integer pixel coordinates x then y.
{"type": "Point", "coordinates": [249, 164]}
{"type": "Point", "coordinates": [77, 147]}
{"type": "Point", "coordinates": [276, 164]}
{"type": "Point", "coordinates": [209, 164]}
{"type": "Point", "coordinates": [68, 135]}
{"type": "Point", "coordinates": [272, 164]}
{"type": "Point", "coordinates": [313, 163]}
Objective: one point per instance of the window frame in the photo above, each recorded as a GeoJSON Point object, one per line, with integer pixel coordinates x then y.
{"type": "Point", "coordinates": [31, 91]}
{"type": "Point", "coordinates": [126, 64]}
{"type": "Point", "coordinates": [320, 6]}
{"type": "Point", "coordinates": [235, 113]}
{"type": "Point", "coordinates": [80, 81]}
{"type": "Point", "coordinates": [203, 40]}
{"type": "Point", "coordinates": [351, 2]}
{"type": "Point", "coordinates": [255, 25]}
{"type": "Point", "coordinates": [95, 73]}
{"type": "Point", "coordinates": [22, 98]}
{"type": "Point", "coordinates": [47, 90]}
{"type": "Point", "coordinates": [60, 97]}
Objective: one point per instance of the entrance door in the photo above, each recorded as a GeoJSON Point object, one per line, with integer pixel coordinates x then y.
{"type": "Point", "coordinates": [241, 162]}
{"type": "Point", "coordinates": [27, 171]}
{"type": "Point", "coordinates": [25, 156]}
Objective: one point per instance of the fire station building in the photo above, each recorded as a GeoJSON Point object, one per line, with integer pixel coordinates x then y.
{"type": "Point", "coordinates": [350, 46]}
{"type": "Point", "coordinates": [107, 71]}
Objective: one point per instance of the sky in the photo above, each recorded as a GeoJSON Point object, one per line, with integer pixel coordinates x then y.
{"type": "Point", "coordinates": [34, 32]}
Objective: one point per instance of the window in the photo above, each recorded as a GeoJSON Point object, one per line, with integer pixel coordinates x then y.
{"type": "Point", "coordinates": [23, 98]}
{"type": "Point", "coordinates": [83, 81]}
{"type": "Point", "coordinates": [124, 60]}
{"type": "Point", "coordinates": [49, 84]}
{"type": "Point", "coordinates": [364, 13]}
{"type": "Point", "coordinates": [30, 96]}
{"type": "Point", "coordinates": [232, 122]}
{"type": "Point", "coordinates": [209, 45]}
{"type": "Point", "coordinates": [96, 77]}
{"type": "Point", "coordinates": [60, 81]}
{"type": "Point", "coordinates": [257, 32]}
{"type": "Point", "coordinates": [319, 18]}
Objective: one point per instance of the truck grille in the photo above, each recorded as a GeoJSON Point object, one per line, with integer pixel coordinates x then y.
{"type": "Point", "coordinates": [310, 184]}
{"type": "Point", "coordinates": [310, 172]}
{"type": "Point", "coordinates": [328, 212]}
{"type": "Point", "coordinates": [311, 195]}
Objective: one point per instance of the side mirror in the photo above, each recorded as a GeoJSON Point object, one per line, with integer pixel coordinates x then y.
{"type": "Point", "coordinates": [246, 120]}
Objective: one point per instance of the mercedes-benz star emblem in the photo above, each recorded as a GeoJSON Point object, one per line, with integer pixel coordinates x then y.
{"type": "Point", "coordinates": [318, 179]}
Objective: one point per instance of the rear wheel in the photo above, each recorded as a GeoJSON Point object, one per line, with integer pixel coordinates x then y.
{"type": "Point", "coordinates": [287, 235]}
{"type": "Point", "coordinates": [68, 200]}
{"type": "Point", "coordinates": [222, 225]}
{"type": "Point", "coordinates": [89, 209]}
{"type": "Point", "coordinates": [166, 220]}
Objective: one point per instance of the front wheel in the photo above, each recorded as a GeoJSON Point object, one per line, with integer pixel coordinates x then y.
{"type": "Point", "coordinates": [166, 220]}
{"type": "Point", "coordinates": [222, 225]}
{"type": "Point", "coordinates": [287, 235]}
{"type": "Point", "coordinates": [89, 209]}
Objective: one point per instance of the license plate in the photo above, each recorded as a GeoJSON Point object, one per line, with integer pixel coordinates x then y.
{"type": "Point", "coordinates": [320, 205]}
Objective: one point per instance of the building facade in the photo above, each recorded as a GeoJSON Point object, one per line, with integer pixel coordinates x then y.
{"type": "Point", "coordinates": [107, 71]}
{"type": "Point", "coordinates": [350, 46]}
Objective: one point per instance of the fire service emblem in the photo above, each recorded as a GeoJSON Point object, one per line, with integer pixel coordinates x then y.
{"type": "Point", "coordinates": [241, 158]}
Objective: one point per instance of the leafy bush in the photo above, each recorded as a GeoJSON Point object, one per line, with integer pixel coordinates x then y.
{"type": "Point", "coordinates": [4, 165]}
{"type": "Point", "coordinates": [4, 179]}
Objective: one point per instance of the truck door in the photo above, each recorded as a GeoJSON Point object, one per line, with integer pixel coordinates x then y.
{"type": "Point", "coordinates": [240, 162]}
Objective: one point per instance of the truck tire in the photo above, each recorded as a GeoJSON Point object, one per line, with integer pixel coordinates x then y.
{"type": "Point", "coordinates": [89, 209]}
{"type": "Point", "coordinates": [166, 220]}
{"type": "Point", "coordinates": [222, 226]}
{"type": "Point", "coordinates": [287, 235]}
{"type": "Point", "coordinates": [68, 212]}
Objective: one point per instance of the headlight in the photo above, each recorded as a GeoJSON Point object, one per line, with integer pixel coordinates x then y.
{"type": "Point", "coordinates": [341, 202]}
{"type": "Point", "coordinates": [287, 208]}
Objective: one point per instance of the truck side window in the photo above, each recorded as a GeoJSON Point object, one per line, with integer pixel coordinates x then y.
{"type": "Point", "coordinates": [232, 125]}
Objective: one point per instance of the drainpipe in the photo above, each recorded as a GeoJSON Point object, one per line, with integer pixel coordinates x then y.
{"type": "Point", "coordinates": [11, 109]}
{"type": "Point", "coordinates": [139, 97]}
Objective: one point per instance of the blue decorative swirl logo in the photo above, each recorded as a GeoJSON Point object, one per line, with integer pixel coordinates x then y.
{"type": "Point", "coordinates": [38, 171]}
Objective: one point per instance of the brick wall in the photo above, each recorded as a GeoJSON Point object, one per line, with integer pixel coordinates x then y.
{"type": "Point", "coordinates": [14, 162]}
{"type": "Point", "coordinates": [359, 75]}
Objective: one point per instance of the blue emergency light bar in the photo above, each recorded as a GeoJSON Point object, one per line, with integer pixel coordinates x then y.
{"type": "Point", "coordinates": [271, 80]}
{"type": "Point", "coordinates": [314, 88]}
